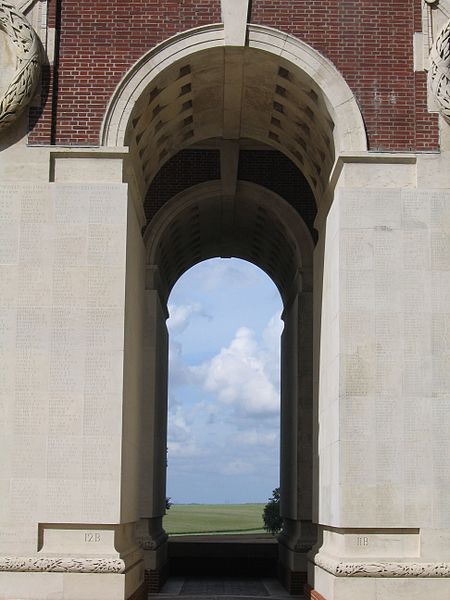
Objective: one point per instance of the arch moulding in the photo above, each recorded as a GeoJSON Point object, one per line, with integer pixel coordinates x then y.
{"type": "Point", "coordinates": [290, 220]}
{"type": "Point", "coordinates": [349, 133]}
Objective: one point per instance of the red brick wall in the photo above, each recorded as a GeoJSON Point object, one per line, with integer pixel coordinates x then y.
{"type": "Point", "coordinates": [99, 41]}
{"type": "Point", "coordinates": [369, 42]}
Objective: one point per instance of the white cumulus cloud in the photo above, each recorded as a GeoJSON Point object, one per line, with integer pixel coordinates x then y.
{"type": "Point", "coordinates": [238, 376]}
{"type": "Point", "coordinates": [181, 315]}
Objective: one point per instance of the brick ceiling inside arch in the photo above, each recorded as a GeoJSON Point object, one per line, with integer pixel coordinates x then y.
{"type": "Point", "coordinates": [255, 226]}
{"type": "Point", "coordinates": [233, 94]}
{"type": "Point", "coordinates": [232, 115]}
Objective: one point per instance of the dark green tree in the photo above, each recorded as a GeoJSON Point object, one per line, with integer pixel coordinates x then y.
{"type": "Point", "coordinates": [273, 522]}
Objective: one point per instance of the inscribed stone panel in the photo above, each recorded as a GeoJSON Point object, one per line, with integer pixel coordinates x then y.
{"type": "Point", "coordinates": [64, 454]}
{"type": "Point", "coordinates": [358, 415]}
{"type": "Point", "coordinates": [103, 371]}
{"type": "Point", "coordinates": [416, 250]}
{"type": "Point", "coordinates": [36, 245]}
{"type": "Point", "coordinates": [100, 501]}
{"type": "Point", "coordinates": [36, 203]}
{"type": "Point", "coordinates": [417, 375]}
{"type": "Point", "coordinates": [357, 462]}
{"type": "Point", "coordinates": [33, 328]}
{"type": "Point", "coordinates": [69, 285]}
{"type": "Point", "coordinates": [65, 414]}
{"type": "Point", "coordinates": [26, 499]}
{"type": "Point", "coordinates": [440, 210]}
{"type": "Point", "coordinates": [356, 249]}
{"type": "Point", "coordinates": [29, 455]}
{"type": "Point", "coordinates": [370, 209]}
{"type": "Point", "coordinates": [71, 203]}
{"type": "Point", "coordinates": [30, 414]}
{"type": "Point", "coordinates": [106, 287]}
{"type": "Point", "coordinates": [440, 250]}
{"type": "Point", "coordinates": [8, 324]}
{"type": "Point", "coordinates": [17, 539]}
{"type": "Point", "coordinates": [389, 497]}
{"type": "Point", "coordinates": [388, 291]}
{"type": "Point", "coordinates": [108, 204]}
{"type": "Point", "coordinates": [357, 291]}
{"type": "Point", "coordinates": [416, 291]}
{"type": "Point", "coordinates": [35, 285]}
{"type": "Point", "coordinates": [71, 245]}
{"type": "Point", "coordinates": [9, 243]}
{"type": "Point", "coordinates": [440, 282]}
{"type": "Point", "coordinates": [9, 223]}
{"type": "Point", "coordinates": [9, 287]}
{"type": "Point", "coordinates": [31, 370]}
{"type": "Point", "coordinates": [102, 414]}
{"type": "Point", "coordinates": [101, 458]}
{"type": "Point", "coordinates": [106, 245]}
{"type": "Point", "coordinates": [105, 328]}
{"type": "Point", "coordinates": [63, 502]}
{"type": "Point", "coordinates": [356, 330]}
{"type": "Point", "coordinates": [417, 334]}
{"type": "Point", "coordinates": [416, 210]}
{"type": "Point", "coordinates": [387, 248]}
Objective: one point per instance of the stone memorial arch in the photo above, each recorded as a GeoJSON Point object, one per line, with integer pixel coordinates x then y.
{"type": "Point", "coordinates": [90, 251]}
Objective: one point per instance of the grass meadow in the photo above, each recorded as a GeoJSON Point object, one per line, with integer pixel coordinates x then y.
{"type": "Point", "coordinates": [190, 519]}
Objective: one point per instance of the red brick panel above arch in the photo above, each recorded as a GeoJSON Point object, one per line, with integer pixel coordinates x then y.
{"type": "Point", "coordinates": [99, 41]}
{"type": "Point", "coordinates": [369, 42]}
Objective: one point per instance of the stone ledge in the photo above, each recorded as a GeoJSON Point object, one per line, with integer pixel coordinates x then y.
{"type": "Point", "coordinates": [376, 568]}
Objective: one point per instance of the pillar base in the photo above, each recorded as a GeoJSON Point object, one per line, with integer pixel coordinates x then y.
{"type": "Point", "coordinates": [74, 586]}
{"type": "Point", "coordinates": [372, 587]}
{"type": "Point", "coordinates": [156, 578]}
{"type": "Point", "coordinates": [140, 593]}
{"type": "Point", "coordinates": [154, 542]}
{"type": "Point", "coordinates": [311, 594]}
{"type": "Point", "coordinates": [295, 541]}
{"type": "Point", "coordinates": [293, 581]}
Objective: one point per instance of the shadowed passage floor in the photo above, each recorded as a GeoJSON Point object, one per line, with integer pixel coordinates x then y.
{"type": "Point", "coordinates": [221, 588]}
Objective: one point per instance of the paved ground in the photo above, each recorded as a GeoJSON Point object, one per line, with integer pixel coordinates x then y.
{"type": "Point", "coordinates": [225, 588]}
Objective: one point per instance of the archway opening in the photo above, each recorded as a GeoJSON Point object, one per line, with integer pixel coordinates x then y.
{"type": "Point", "coordinates": [223, 419]}
{"type": "Point", "coordinates": [224, 384]}
{"type": "Point", "coordinates": [230, 107]}
{"type": "Point", "coordinates": [259, 226]}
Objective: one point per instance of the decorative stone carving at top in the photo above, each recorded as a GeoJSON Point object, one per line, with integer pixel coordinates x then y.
{"type": "Point", "coordinates": [435, 16]}
{"type": "Point", "coordinates": [28, 62]}
{"type": "Point", "coordinates": [434, 56]}
{"type": "Point", "coordinates": [440, 71]}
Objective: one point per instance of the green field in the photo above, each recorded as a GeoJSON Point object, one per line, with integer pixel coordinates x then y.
{"type": "Point", "coordinates": [214, 518]}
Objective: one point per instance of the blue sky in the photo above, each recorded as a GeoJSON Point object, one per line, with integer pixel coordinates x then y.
{"type": "Point", "coordinates": [223, 440]}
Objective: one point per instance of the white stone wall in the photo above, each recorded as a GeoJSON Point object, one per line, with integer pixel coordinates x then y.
{"type": "Point", "coordinates": [62, 298]}
{"type": "Point", "coordinates": [383, 401]}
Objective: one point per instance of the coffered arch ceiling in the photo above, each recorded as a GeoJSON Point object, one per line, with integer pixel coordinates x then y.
{"type": "Point", "coordinates": [233, 93]}
{"type": "Point", "coordinates": [263, 229]}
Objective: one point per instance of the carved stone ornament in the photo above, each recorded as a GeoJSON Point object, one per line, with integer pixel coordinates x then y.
{"type": "Point", "coordinates": [28, 55]}
{"type": "Point", "coordinates": [62, 565]}
{"type": "Point", "coordinates": [381, 569]}
{"type": "Point", "coordinates": [148, 542]}
{"type": "Point", "coordinates": [440, 70]}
